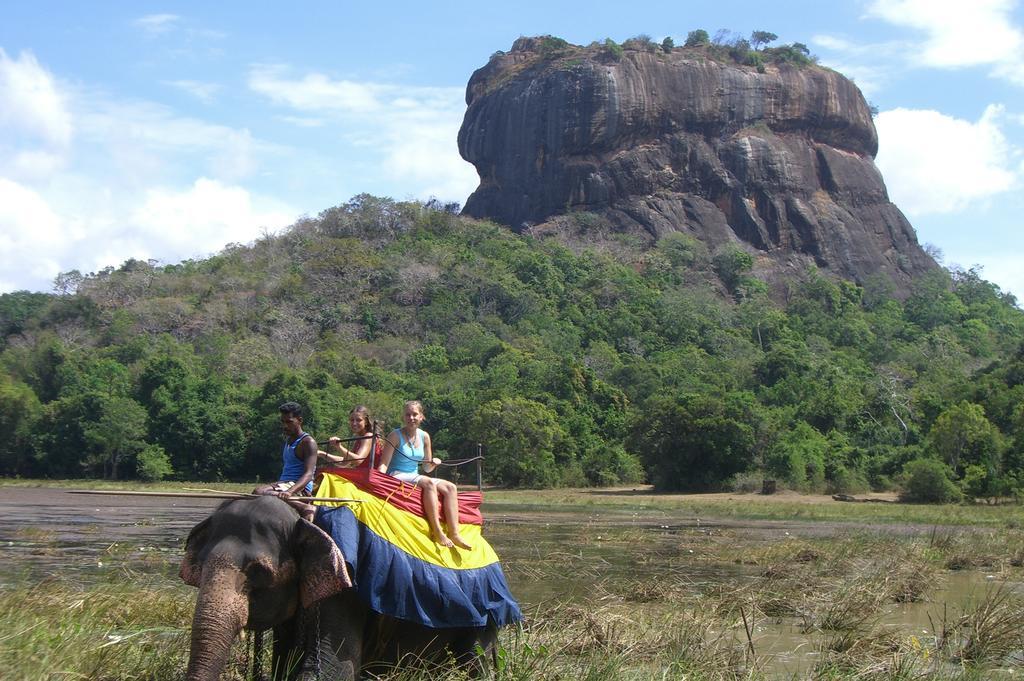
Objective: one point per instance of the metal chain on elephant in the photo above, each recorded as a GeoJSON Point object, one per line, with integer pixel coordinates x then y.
{"type": "Point", "coordinates": [257, 654]}
{"type": "Point", "coordinates": [317, 642]}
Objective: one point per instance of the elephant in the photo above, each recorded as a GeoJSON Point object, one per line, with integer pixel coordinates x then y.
{"type": "Point", "coordinates": [259, 565]}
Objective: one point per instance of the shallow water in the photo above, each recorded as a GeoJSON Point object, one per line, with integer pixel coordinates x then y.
{"type": "Point", "coordinates": [51, 532]}
{"type": "Point", "coordinates": [621, 547]}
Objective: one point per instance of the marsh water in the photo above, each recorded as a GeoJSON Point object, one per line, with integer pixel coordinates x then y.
{"type": "Point", "coordinates": [550, 556]}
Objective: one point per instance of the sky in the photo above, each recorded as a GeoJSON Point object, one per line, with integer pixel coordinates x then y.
{"type": "Point", "coordinates": [166, 131]}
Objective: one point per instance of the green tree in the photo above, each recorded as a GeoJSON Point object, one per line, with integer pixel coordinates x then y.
{"type": "Point", "coordinates": [962, 436]}
{"type": "Point", "coordinates": [667, 44]}
{"type": "Point", "coordinates": [697, 38]}
{"type": "Point", "coordinates": [611, 49]}
{"type": "Point", "coordinates": [153, 464]}
{"type": "Point", "coordinates": [798, 457]}
{"type": "Point", "coordinates": [695, 442]}
{"type": "Point", "coordinates": [926, 481]}
{"type": "Point", "coordinates": [731, 264]}
{"type": "Point", "coordinates": [933, 303]}
{"type": "Point", "coordinates": [759, 39]}
{"type": "Point", "coordinates": [429, 359]}
{"type": "Point", "coordinates": [19, 414]}
{"type": "Point", "coordinates": [521, 440]}
{"type": "Point", "coordinates": [116, 436]}
{"type": "Point", "coordinates": [16, 311]}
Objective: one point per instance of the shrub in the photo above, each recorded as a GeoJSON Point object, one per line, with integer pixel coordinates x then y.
{"type": "Point", "coordinates": [740, 51]}
{"type": "Point", "coordinates": [799, 458]}
{"type": "Point", "coordinates": [760, 38]}
{"type": "Point", "coordinates": [847, 481]}
{"type": "Point", "coordinates": [611, 49]}
{"type": "Point", "coordinates": [641, 42]}
{"type": "Point", "coordinates": [731, 263]}
{"type": "Point", "coordinates": [153, 464]}
{"type": "Point", "coordinates": [747, 482]}
{"type": "Point", "coordinates": [667, 44]}
{"type": "Point", "coordinates": [697, 38]}
{"type": "Point", "coordinates": [980, 482]}
{"type": "Point", "coordinates": [429, 359]}
{"type": "Point", "coordinates": [551, 46]}
{"type": "Point", "coordinates": [796, 54]}
{"type": "Point", "coordinates": [927, 481]}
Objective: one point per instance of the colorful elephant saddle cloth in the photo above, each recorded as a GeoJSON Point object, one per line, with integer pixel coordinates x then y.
{"type": "Point", "coordinates": [398, 568]}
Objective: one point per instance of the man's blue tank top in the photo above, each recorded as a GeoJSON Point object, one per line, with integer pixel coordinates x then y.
{"type": "Point", "coordinates": [408, 455]}
{"type": "Point", "coordinates": [292, 467]}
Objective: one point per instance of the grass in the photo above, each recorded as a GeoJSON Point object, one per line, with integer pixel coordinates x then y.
{"type": "Point", "coordinates": [694, 604]}
{"type": "Point", "coordinates": [134, 627]}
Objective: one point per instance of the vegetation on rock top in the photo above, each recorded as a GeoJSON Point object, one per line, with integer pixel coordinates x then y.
{"type": "Point", "coordinates": [725, 46]}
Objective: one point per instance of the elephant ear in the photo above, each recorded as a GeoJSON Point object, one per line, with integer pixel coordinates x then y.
{"type": "Point", "coordinates": [191, 569]}
{"type": "Point", "coordinates": [322, 570]}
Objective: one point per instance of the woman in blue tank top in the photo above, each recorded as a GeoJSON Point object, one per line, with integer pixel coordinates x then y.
{"type": "Point", "coordinates": [405, 449]}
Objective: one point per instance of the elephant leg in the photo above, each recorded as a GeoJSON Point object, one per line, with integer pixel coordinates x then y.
{"type": "Point", "coordinates": [393, 643]}
{"type": "Point", "coordinates": [287, 651]}
{"type": "Point", "coordinates": [471, 648]}
{"type": "Point", "coordinates": [334, 638]}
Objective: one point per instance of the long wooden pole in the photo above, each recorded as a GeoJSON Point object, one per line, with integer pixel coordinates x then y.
{"type": "Point", "coordinates": [204, 495]}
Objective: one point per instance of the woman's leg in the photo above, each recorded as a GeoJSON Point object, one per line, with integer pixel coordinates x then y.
{"type": "Point", "coordinates": [449, 494]}
{"type": "Point", "coordinates": [429, 495]}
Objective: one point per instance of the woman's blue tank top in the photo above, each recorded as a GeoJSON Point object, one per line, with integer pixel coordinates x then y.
{"type": "Point", "coordinates": [292, 467]}
{"type": "Point", "coordinates": [407, 456]}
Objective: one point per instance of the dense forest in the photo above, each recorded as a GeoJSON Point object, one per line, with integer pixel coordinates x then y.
{"type": "Point", "coordinates": [575, 357]}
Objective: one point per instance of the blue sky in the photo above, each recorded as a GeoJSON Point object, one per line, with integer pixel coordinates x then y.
{"type": "Point", "coordinates": [167, 130]}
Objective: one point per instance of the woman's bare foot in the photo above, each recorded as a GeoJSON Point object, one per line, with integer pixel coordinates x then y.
{"type": "Point", "coordinates": [460, 542]}
{"type": "Point", "coordinates": [442, 539]}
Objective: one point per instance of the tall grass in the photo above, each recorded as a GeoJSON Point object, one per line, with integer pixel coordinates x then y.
{"type": "Point", "coordinates": [136, 628]}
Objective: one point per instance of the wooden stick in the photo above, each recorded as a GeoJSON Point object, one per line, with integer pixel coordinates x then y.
{"type": "Point", "coordinates": [205, 495]}
{"type": "Point", "coordinates": [215, 491]}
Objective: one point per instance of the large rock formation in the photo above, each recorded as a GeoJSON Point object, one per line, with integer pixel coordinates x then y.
{"type": "Point", "coordinates": [779, 160]}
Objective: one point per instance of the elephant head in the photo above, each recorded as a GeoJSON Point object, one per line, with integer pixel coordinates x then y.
{"type": "Point", "coordinates": [255, 562]}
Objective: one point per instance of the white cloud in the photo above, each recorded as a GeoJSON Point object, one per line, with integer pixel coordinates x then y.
{"type": "Point", "coordinates": [156, 24]}
{"type": "Point", "coordinates": [303, 121]}
{"type": "Point", "coordinates": [122, 185]}
{"type": "Point", "coordinates": [37, 242]}
{"type": "Point", "coordinates": [934, 163]}
{"type": "Point", "coordinates": [202, 91]}
{"type": "Point", "coordinates": [425, 155]}
{"type": "Point", "coordinates": [869, 79]}
{"type": "Point", "coordinates": [30, 237]}
{"type": "Point", "coordinates": [145, 141]}
{"type": "Point", "coordinates": [960, 33]}
{"type": "Point", "coordinates": [316, 92]}
{"type": "Point", "coordinates": [35, 164]}
{"type": "Point", "coordinates": [201, 219]}
{"type": "Point", "coordinates": [870, 65]}
{"type": "Point", "coordinates": [30, 101]}
{"type": "Point", "coordinates": [830, 42]}
{"type": "Point", "coordinates": [1003, 269]}
{"type": "Point", "coordinates": [413, 128]}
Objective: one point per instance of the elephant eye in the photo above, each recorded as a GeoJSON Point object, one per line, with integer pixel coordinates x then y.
{"type": "Point", "coordinates": [259, 575]}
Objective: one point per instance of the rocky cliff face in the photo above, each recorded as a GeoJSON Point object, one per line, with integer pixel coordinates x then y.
{"type": "Point", "coordinates": [779, 161]}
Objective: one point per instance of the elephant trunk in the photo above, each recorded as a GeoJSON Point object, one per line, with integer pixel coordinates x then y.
{"type": "Point", "coordinates": [222, 609]}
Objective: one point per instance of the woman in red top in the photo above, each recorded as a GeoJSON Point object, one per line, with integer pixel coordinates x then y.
{"type": "Point", "coordinates": [360, 425]}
